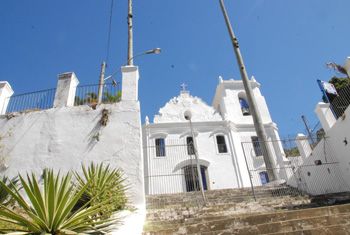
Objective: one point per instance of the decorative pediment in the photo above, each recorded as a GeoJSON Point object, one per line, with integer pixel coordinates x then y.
{"type": "Point", "coordinates": [174, 110]}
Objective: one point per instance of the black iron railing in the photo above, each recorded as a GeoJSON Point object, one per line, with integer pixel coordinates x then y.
{"type": "Point", "coordinates": [37, 100]}
{"type": "Point", "coordinates": [44, 99]}
{"type": "Point", "coordinates": [341, 102]}
{"type": "Point", "coordinates": [88, 94]}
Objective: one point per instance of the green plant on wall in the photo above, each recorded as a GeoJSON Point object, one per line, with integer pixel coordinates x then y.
{"type": "Point", "coordinates": [110, 98]}
{"type": "Point", "coordinates": [91, 97]}
{"type": "Point", "coordinates": [50, 208]}
{"type": "Point", "coordinates": [103, 184]}
{"type": "Point", "coordinates": [5, 196]}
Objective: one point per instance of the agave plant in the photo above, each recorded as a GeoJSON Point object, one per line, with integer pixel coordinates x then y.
{"type": "Point", "coordinates": [5, 198]}
{"type": "Point", "coordinates": [49, 208]}
{"type": "Point", "coordinates": [103, 184]}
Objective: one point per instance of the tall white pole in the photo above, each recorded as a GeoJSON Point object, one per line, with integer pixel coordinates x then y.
{"type": "Point", "coordinates": [130, 60]}
{"type": "Point", "coordinates": [101, 82]}
{"type": "Point", "coordinates": [259, 128]}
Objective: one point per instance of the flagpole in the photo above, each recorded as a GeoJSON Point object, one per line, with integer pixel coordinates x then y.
{"type": "Point", "coordinates": [259, 128]}
{"type": "Point", "coordinates": [319, 82]}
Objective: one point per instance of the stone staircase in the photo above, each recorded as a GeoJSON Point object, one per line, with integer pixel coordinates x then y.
{"type": "Point", "coordinates": [234, 211]}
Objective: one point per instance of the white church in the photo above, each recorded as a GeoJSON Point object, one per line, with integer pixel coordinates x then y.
{"type": "Point", "coordinates": [218, 132]}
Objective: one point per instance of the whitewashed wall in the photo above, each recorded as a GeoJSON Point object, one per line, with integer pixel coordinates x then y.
{"type": "Point", "coordinates": [165, 174]}
{"type": "Point", "coordinates": [225, 170]}
{"type": "Point", "coordinates": [339, 136]}
{"type": "Point", "coordinates": [63, 138]}
{"type": "Point", "coordinates": [334, 174]}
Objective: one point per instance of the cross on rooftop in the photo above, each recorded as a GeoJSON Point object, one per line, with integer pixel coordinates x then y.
{"type": "Point", "coordinates": [183, 87]}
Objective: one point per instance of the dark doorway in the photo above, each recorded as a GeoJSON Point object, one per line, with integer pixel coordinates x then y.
{"type": "Point", "coordinates": [191, 178]}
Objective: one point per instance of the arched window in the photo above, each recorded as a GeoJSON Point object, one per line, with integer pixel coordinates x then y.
{"type": "Point", "coordinates": [256, 146]}
{"type": "Point", "coordinates": [160, 147]}
{"type": "Point", "coordinates": [244, 106]}
{"type": "Point", "coordinates": [190, 145]}
{"type": "Point", "coordinates": [220, 141]}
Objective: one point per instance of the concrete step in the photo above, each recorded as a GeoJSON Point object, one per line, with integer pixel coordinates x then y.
{"type": "Point", "coordinates": [217, 195]}
{"type": "Point", "coordinates": [215, 201]}
{"type": "Point", "coordinates": [286, 221]}
{"type": "Point", "coordinates": [222, 226]}
{"type": "Point", "coordinates": [322, 230]}
{"type": "Point", "coordinates": [231, 208]}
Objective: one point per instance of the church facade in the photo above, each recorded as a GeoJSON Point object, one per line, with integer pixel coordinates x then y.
{"type": "Point", "coordinates": [186, 125]}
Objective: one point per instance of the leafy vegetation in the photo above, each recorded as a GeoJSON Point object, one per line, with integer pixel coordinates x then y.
{"type": "Point", "coordinates": [339, 83]}
{"type": "Point", "coordinates": [91, 98]}
{"type": "Point", "coordinates": [103, 185]}
{"type": "Point", "coordinates": [109, 98]}
{"type": "Point", "coordinates": [50, 209]}
{"type": "Point", "coordinates": [292, 152]}
{"type": "Point", "coordinates": [5, 197]}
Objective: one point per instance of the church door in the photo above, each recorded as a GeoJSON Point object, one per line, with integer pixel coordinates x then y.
{"type": "Point", "coordinates": [192, 179]}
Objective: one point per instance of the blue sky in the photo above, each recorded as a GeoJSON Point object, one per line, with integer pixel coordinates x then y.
{"type": "Point", "coordinates": [285, 45]}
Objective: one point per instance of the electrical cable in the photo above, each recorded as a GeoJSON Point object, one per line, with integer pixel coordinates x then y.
{"type": "Point", "coordinates": [109, 32]}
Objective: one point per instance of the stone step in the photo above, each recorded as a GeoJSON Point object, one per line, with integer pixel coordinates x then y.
{"type": "Point", "coordinates": [258, 223]}
{"type": "Point", "coordinates": [215, 201]}
{"type": "Point", "coordinates": [222, 193]}
{"type": "Point", "coordinates": [217, 227]}
{"type": "Point", "coordinates": [322, 230]}
{"type": "Point", "coordinates": [261, 205]}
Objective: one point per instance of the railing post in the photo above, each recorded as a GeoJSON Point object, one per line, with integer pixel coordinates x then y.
{"type": "Point", "coordinates": [325, 114]}
{"type": "Point", "coordinates": [5, 93]}
{"type": "Point", "coordinates": [130, 80]}
{"type": "Point", "coordinates": [65, 91]}
{"type": "Point", "coordinates": [303, 145]}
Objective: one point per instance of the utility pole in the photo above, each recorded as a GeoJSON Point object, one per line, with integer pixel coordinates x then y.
{"type": "Point", "coordinates": [101, 82]}
{"type": "Point", "coordinates": [130, 60]}
{"type": "Point", "coordinates": [259, 128]}
{"type": "Point", "coordinates": [199, 173]}
{"type": "Point", "coordinates": [307, 129]}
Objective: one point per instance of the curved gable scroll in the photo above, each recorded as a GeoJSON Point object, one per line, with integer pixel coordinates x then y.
{"type": "Point", "coordinates": [187, 162]}
{"type": "Point", "coordinates": [159, 135]}
{"type": "Point", "coordinates": [219, 131]}
{"type": "Point", "coordinates": [189, 133]}
{"type": "Point", "coordinates": [176, 108]}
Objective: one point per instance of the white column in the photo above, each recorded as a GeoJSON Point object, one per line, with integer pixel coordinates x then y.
{"type": "Point", "coordinates": [303, 146]}
{"type": "Point", "coordinates": [5, 93]}
{"type": "Point", "coordinates": [65, 91]}
{"type": "Point", "coordinates": [325, 115]}
{"type": "Point", "coordinates": [130, 82]}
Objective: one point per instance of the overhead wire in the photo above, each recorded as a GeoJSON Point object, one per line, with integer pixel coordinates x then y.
{"type": "Point", "coordinates": [109, 32]}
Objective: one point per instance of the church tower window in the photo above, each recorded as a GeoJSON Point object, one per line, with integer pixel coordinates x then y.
{"type": "Point", "coordinates": [160, 147]}
{"type": "Point", "coordinates": [220, 141]}
{"type": "Point", "coordinates": [244, 106]}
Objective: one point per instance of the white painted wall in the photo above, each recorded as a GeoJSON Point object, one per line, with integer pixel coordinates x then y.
{"type": "Point", "coordinates": [334, 173]}
{"type": "Point", "coordinates": [165, 174]}
{"type": "Point", "coordinates": [227, 100]}
{"type": "Point", "coordinates": [225, 170]}
{"type": "Point", "coordinates": [63, 138]}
